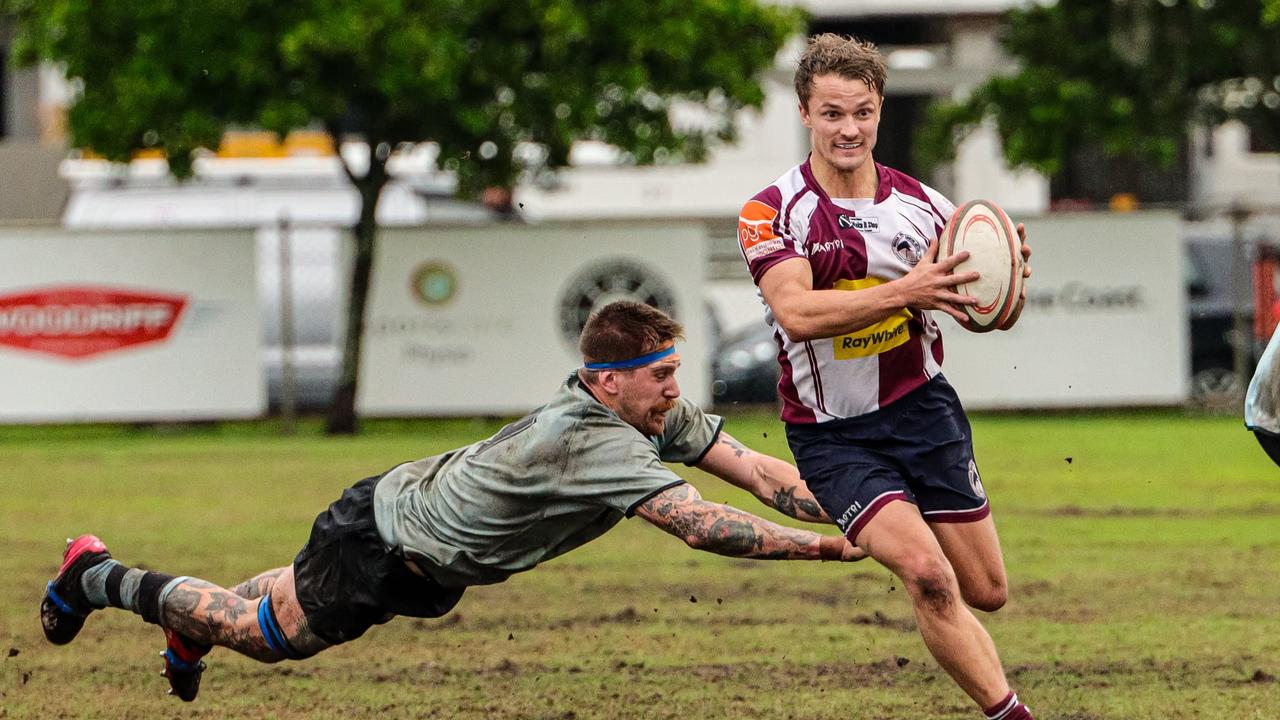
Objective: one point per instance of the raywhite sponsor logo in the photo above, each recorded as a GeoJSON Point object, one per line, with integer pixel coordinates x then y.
{"type": "Point", "coordinates": [850, 342]}
{"type": "Point", "coordinates": [861, 224]}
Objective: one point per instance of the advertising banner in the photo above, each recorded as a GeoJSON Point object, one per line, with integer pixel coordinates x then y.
{"type": "Point", "coordinates": [486, 320]}
{"type": "Point", "coordinates": [128, 326]}
{"type": "Point", "coordinates": [1105, 322]}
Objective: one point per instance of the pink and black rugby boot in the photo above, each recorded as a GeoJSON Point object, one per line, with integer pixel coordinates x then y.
{"type": "Point", "coordinates": [182, 664]}
{"type": "Point", "coordinates": [64, 605]}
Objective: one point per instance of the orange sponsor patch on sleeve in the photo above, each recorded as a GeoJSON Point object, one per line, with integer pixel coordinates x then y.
{"type": "Point", "coordinates": [755, 230]}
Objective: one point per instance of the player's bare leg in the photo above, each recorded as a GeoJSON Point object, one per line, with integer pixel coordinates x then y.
{"type": "Point", "coordinates": [259, 585]}
{"type": "Point", "coordinates": [899, 538]}
{"type": "Point", "coordinates": [184, 657]}
{"type": "Point", "coordinates": [268, 628]}
{"type": "Point", "coordinates": [209, 614]}
{"type": "Point", "coordinates": [973, 548]}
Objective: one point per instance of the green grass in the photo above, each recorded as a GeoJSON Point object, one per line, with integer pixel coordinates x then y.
{"type": "Point", "coordinates": [1144, 584]}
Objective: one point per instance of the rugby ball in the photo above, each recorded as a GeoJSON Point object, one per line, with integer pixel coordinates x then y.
{"type": "Point", "coordinates": [995, 253]}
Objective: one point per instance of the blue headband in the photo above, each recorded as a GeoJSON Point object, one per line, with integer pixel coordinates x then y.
{"type": "Point", "coordinates": [634, 362]}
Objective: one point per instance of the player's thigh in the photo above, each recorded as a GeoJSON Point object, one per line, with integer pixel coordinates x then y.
{"type": "Point", "coordinates": [258, 585]}
{"type": "Point", "coordinates": [849, 476]}
{"type": "Point", "coordinates": [973, 548]}
{"type": "Point", "coordinates": [291, 619]}
{"type": "Point", "coordinates": [898, 538]}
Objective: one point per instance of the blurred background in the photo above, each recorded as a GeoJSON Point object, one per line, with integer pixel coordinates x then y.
{"type": "Point", "coordinates": [127, 294]}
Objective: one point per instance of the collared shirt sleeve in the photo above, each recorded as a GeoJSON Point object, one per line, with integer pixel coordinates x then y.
{"type": "Point", "coordinates": [689, 433]}
{"type": "Point", "coordinates": [615, 467]}
{"type": "Point", "coordinates": [761, 235]}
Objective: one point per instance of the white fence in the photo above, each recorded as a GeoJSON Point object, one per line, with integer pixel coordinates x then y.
{"type": "Point", "coordinates": [170, 324]}
{"type": "Point", "coordinates": [486, 320]}
{"type": "Point", "coordinates": [1105, 322]}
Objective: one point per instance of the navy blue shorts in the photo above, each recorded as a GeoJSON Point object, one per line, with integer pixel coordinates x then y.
{"type": "Point", "coordinates": [917, 449]}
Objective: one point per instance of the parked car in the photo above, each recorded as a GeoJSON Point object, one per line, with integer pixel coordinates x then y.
{"type": "Point", "coordinates": [745, 369]}
{"type": "Point", "coordinates": [1210, 309]}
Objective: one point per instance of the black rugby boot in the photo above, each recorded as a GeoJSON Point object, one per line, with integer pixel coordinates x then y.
{"type": "Point", "coordinates": [182, 664]}
{"type": "Point", "coordinates": [64, 606]}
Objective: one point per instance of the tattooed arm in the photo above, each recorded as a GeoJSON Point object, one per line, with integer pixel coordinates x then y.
{"type": "Point", "coordinates": [776, 482]}
{"type": "Point", "coordinates": [725, 530]}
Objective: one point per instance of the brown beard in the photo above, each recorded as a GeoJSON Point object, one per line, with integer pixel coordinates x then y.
{"type": "Point", "coordinates": [665, 406]}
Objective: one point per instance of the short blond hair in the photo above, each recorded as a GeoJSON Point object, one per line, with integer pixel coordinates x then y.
{"type": "Point", "coordinates": [849, 57]}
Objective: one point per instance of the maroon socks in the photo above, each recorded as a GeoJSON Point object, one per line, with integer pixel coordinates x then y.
{"type": "Point", "coordinates": [1008, 709]}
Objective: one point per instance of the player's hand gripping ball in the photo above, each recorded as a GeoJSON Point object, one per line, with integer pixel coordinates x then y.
{"type": "Point", "coordinates": [995, 253]}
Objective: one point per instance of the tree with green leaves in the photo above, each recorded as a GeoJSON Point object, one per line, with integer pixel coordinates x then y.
{"type": "Point", "coordinates": [504, 87]}
{"type": "Point", "coordinates": [1129, 76]}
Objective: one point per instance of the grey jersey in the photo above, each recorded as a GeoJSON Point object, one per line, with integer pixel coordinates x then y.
{"type": "Point", "coordinates": [545, 484]}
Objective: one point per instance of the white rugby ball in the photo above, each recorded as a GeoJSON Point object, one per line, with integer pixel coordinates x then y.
{"type": "Point", "coordinates": [995, 253]}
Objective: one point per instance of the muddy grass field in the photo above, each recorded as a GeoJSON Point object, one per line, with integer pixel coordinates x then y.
{"type": "Point", "coordinates": [1143, 553]}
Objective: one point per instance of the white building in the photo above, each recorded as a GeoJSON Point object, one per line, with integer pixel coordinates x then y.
{"type": "Point", "coordinates": [934, 48]}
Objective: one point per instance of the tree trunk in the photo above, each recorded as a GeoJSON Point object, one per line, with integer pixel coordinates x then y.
{"type": "Point", "coordinates": [342, 411]}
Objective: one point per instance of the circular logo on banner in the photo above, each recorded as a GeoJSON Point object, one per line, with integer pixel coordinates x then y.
{"type": "Point", "coordinates": [434, 283]}
{"type": "Point", "coordinates": [607, 281]}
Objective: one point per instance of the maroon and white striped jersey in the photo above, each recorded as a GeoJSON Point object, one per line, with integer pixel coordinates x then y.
{"type": "Point", "coordinates": [850, 244]}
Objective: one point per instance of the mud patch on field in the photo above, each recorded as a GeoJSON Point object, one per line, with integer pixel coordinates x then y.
{"type": "Point", "coordinates": [879, 619]}
{"type": "Point", "coordinates": [625, 616]}
{"type": "Point", "coordinates": [1261, 676]}
{"type": "Point", "coordinates": [1258, 510]}
{"type": "Point", "coordinates": [1103, 674]}
{"type": "Point", "coordinates": [796, 676]}
{"type": "Point", "coordinates": [1033, 588]}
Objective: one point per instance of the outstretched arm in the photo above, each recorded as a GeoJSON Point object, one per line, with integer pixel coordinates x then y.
{"type": "Point", "coordinates": [725, 530]}
{"type": "Point", "coordinates": [776, 482]}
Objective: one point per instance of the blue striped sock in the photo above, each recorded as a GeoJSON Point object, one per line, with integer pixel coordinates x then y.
{"type": "Point", "coordinates": [94, 583]}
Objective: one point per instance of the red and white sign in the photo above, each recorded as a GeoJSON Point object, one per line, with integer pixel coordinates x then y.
{"type": "Point", "coordinates": [78, 321]}
{"type": "Point", "coordinates": [129, 326]}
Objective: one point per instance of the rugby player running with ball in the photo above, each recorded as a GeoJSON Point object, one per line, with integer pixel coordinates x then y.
{"type": "Point", "coordinates": [844, 252]}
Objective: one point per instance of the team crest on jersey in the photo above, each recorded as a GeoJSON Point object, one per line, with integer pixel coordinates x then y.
{"type": "Point", "coordinates": [755, 230]}
{"type": "Point", "coordinates": [908, 248]}
{"type": "Point", "coordinates": [861, 224]}
{"type": "Point", "coordinates": [975, 480]}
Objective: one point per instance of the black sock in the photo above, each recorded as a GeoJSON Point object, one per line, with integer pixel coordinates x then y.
{"type": "Point", "coordinates": [149, 589]}
{"type": "Point", "coordinates": [111, 584]}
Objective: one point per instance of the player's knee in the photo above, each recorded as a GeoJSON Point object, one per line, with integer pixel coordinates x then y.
{"type": "Point", "coordinates": [989, 598]}
{"type": "Point", "coordinates": [930, 582]}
